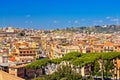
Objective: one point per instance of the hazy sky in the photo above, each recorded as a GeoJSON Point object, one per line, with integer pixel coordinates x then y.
{"type": "Point", "coordinates": [51, 14]}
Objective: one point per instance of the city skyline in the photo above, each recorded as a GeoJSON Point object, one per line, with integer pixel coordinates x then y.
{"type": "Point", "coordinates": [58, 13]}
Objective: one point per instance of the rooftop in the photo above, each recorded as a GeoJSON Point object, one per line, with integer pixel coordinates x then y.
{"type": "Point", "coordinates": [6, 76]}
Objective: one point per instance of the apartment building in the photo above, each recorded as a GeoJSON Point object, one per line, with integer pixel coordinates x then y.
{"type": "Point", "coordinates": [106, 47]}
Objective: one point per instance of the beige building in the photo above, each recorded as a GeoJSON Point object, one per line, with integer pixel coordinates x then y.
{"type": "Point", "coordinates": [106, 47]}
{"type": "Point", "coordinates": [7, 76]}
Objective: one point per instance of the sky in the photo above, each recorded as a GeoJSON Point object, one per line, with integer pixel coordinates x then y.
{"type": "Point", "coordinates": [52, 14]}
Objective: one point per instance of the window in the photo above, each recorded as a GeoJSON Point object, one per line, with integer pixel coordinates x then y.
{"type": "Point", "coordinates": [12, 69]}
{"type": "Point", "coordinates": [104, 48]}
{"type": "Point", "coordinates": [30, 51]}
{"type": "Point", "coordinates": [22, 60]}
{"type": "Point", "coordinates": [20, 51]}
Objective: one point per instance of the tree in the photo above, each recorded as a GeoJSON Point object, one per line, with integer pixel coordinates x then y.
{"type": "Point", "coordinates": [38, 64]}
{"type": "Point", "coordinates": [71, 56]}
{"type": "Point", "coordinates": [81, 60]}
{"type": "Point", "coordinates": [108, 67]}
{"type": "Point", "coordinates": [97, 69]}
{"type": "Point", "coordinates": [62, 73]}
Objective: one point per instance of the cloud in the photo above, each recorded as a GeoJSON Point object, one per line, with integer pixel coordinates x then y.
{"type": "Point", "coordinates": [28, 15]}
{"type": "Point", "coordinates": [115, 19]}
{"type": "Point", "coordinates": [55, 21]}
{"type": "Point", "coordinates": [108, 17]}
{"type": "Point", "coordinates": [76, 21]}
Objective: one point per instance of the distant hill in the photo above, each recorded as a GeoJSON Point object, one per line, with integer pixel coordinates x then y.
{"type": "Point", "coordinates": [96, 29]}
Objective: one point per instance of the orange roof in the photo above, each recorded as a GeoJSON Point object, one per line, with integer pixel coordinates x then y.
{"type": "Point", "coordinates": [108, 44]}
{"type": "Point", "coordinates": [99, 44]}
{"type": "Point", "coordinates": [12, 59]}
{"type": "Point", "coordinates": [22, 44]}
{"type": "Point", "coordinates": [81, 42]}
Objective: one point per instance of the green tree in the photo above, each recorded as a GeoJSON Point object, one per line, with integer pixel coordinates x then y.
{"type": "Point", "coordinates": [62, 73]}
{"type": "Point", "coordinates": [38, 64]}
{"type": "Point", "coordinates": [81, 60]}
{"type": "Point", "coordinates": [96, 69]}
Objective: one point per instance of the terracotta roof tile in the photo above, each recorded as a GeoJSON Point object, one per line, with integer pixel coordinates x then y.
{"type": "Point", "coordinates": [12, 59]}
